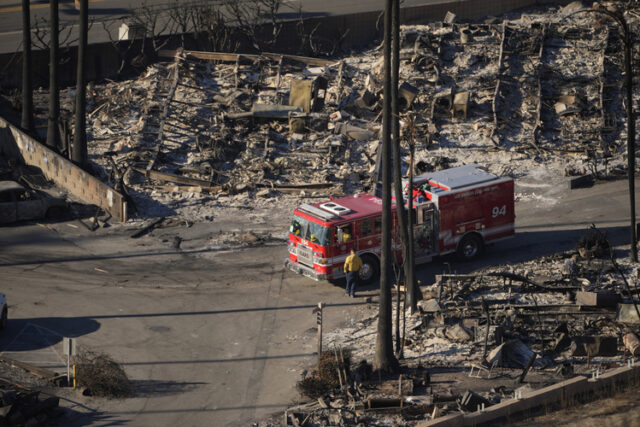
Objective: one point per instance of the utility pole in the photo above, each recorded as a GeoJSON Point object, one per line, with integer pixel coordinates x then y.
{"type": "Point", "coordinates": [27, 87]}
{"type": "Point", "coordinates": [413, 291]}
{"type": "Point", "coordinates": [384, 359]}
{"type": "Point", "coordinates": [79, 153]}
{"type": "Point", "coordinates": [54, 97]}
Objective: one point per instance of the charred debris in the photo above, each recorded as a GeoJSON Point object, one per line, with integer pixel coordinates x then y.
{"type": "Point", "coordinates": [533, 96]}
{"type": "Point", "coordinates": [481, 339]}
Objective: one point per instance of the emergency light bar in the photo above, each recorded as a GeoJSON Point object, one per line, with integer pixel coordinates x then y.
{"type": "Point", "coordinates": [316, 211]}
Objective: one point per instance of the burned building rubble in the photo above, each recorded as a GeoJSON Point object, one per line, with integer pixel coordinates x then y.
{"type": "Point", "coordinates": [485, 338]}
{"type": "Point", "coordinates": [537, 97]}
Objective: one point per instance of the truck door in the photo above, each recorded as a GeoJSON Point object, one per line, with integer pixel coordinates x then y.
{"type": "Point", "coordinates": [425, 232]}
{"type": "Point", "coordinates": [344, 239]}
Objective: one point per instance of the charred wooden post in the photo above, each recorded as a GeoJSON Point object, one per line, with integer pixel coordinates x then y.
{"type": "Point", "coordinates": [485, 308]}
{"type": "Point", "coordinates": [339, 83]}
{"type": "Point", "coordinates": [526, 369]}
{"type": "Point", "coordinates": [318, 312]}
{"type": "Point", "coordinates": [496, 94]}
{"type": "Point", "coordinates": [413, 290]}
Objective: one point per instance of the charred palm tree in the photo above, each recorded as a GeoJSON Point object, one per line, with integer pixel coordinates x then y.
{"type": "Point", "coordinates": [79, 153]}
{"type": "Point", "coordinates": [54, 97]}
{"type": "Point", "coordinates": [27, 87]}
{"type": "Point", "coordinates": [384, 359]}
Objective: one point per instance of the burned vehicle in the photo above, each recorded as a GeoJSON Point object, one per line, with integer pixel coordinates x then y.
{"type": "Point", "coordinates": [18, 203]}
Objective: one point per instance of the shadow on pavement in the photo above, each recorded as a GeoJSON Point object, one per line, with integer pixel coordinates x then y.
{"type": "Point", "coordinates": [36, 333]}
{"type": "Point", "coordinates": [72, 418]}
{"type": "Point", "coordinates": [152, 388]}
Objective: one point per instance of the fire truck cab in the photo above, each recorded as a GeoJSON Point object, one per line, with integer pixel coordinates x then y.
{"type": "Point", "coordinates": [454, 210]}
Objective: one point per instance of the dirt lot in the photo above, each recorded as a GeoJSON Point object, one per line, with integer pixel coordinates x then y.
{"type": "Point", "coordinates": [621, 410]}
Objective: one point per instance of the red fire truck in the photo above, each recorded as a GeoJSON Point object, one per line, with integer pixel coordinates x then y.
{"type": "Point", "coordinates": [455, 210]}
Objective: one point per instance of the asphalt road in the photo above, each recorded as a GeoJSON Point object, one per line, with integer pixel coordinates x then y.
{"type": "Point", "coordinates": [213, 337]}
{"type": "Point", "coordinates": [11, 14]}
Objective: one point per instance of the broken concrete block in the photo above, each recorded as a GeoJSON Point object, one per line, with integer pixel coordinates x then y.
{"type": "Point", "coordinates": [460, 102]}
{"type": "Point", "coordinates": [594, 346]}
{"type": "Point", "coordinates": [353, 132]}
{"type": "Point", "coordinates": [466, 36]}
{"type": "Point", "coordinates": [457, 333]}
{"type": "Point", "coordinates": [469, 323]}
{"type": "Point", "coordinates": [339, 115]}
{"type": "Point", "coordinates": [627, 314]}
{"type": "Point", "coordinates": [580, 182]}
{"type": "Point", "coordinates": [513, 354]}
{"type": "Point", "coordinates": [449, 17]}
{"type": "Point", "coordinates": [597, 299]}
{"type": "Point", "coordinates": [632, 344]}
{"type": "Point", "coordinates": [300, 94]}
{"type": "Point", "coordinates": [429, 306]}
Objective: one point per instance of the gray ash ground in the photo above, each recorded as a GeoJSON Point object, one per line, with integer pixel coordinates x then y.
{"type": "Point", "coordinates": [12, 375]}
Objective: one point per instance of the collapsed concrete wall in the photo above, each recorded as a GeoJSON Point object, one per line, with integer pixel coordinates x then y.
{"type": "Point", "coordinates": [17, 145]}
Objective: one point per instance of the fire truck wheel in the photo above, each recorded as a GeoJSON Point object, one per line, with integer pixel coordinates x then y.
{"type": "Point", "coordinates": [469, 247]}
{"type": "Point", "coordinates": [370, 269]}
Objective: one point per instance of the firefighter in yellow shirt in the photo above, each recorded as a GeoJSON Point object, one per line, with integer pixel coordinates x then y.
{"type": "Point", "coordinates": [352, 267]}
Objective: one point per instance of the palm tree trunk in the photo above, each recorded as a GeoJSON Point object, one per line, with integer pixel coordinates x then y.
{"type": "Point", "coordinates": [79, 155]}
{"type": "Point", "coordinates": [397, 169]}
{"type": "Point", "coordinates": [54, 97]}
{"type": "Point", "coordinates": [384, 359]}
{"type": "Point", "coordinates": [27, 86]}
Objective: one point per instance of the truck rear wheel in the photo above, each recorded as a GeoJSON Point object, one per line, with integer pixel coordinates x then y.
{"type": "Point", "coordinates": [370, 269]}
{"type": "Point", "coordinates": [470, 247]}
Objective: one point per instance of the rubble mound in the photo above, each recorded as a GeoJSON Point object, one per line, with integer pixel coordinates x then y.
{"type": "Point", "coordinates": [332, 368]}
{"type": "Point", "coordinates": [535, 95]}
{"type": "Point", "coordinates": [27, 409]}
{"type": "Point", "coordinates": [593, 243]}
{"type": "Point", "coordinates": [101, 376]}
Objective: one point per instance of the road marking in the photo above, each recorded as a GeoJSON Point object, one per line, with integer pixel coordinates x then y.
{"type": "Point", "coordinates": [11, 9]}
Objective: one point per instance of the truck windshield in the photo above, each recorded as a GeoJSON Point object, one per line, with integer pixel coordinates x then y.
{"type": "Point", "coordinates": [309, 230]}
